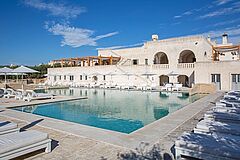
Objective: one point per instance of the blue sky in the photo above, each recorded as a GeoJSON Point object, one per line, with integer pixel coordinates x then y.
{"type": "Point", "coordinates": [37, 31]}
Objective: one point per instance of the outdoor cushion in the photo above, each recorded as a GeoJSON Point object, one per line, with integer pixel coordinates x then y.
{"type": "Point", "coordinates": [214, 126]}
{"type": "Point", "coordinates": [6, 125]}
{"type": "Point", "coordinates": [13, 141]}
{"type": "Point", "coordinates": [217, 145]}
{"type": "Point", "coordinates": [222, 116]}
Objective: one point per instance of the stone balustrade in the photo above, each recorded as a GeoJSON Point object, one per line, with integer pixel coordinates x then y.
{"type": "Point", "coordinates": [160, 66]}
{"type": "Point", "coordinates": [185, 65]}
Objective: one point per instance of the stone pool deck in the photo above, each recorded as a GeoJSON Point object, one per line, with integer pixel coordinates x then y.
{"type": "Point", "coordinates": [91, 141]}
{"type": "Point", "coordinates": [11, 102]}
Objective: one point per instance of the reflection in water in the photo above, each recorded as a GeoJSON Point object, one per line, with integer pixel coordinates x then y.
{"type": "Point", "coordinates": [160, 112]}
{"type": "Point", "coordinates": [122, 111]}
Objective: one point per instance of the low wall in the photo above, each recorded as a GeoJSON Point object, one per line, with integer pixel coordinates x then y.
{"type": "Point", "coordinates": [203, 88]}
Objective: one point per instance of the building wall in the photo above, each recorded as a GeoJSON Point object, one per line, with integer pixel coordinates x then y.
{"type": "Point", "coordinates": [171, 47]}
{"type": "Point", "coordinates": [203, 71]}
{"type": "Point", "coordinates": [126, 72]}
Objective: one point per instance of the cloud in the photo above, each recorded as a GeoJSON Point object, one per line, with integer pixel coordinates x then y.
{"type": "Point", "coordinates": [211, 6]}
{"type": "Point", "coordinates": [56, 9]}
{"type": "Point", "coordinates": [232, 32]}
{"type": "Point", "coordinates": [119, 47]}
{"type": "Point", "coordinates": [221, 2]}
{"type": "Point", "coordinates": [223, 23]}
{"type": "Point", "coordinates": [234, 8]}
{"type": "Point", "coordinates": [75, 37]}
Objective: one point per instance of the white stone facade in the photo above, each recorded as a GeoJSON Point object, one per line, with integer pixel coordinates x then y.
{"type": "Point", "coordinates": [188, 57]}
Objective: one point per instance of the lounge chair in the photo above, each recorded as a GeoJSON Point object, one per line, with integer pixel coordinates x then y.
{"type": "Point", "coordinates": [232, 99]}
{"type": "Point", "coordinates": [142, 86]}
{"type": "Point", "coordinates": [226, 109]}
{"type": "Point", "coordinates": [31, 95]}
{"type": "Point", "coordinates": [2, 92]}
{"type": "Point", "coordinates": [222, 117]}
{"type": "Point", "coordinates": [212, 147]}
{"type": "Point", "coordinates": [10, 93]}
{"type": "Point", "coordinates": [210, 127]}
{"type": "Point", "coordinates": [167, 87]}
{"type": "Point", "coordinates": [234, 93]}
{"type": "Point", "coordinates": [177, 87]}
{"type": "Point", "coordinates": [13, 145]}
{"type": "Point", "coordinates": [8, 127]}
{"type": "Point", "coordinates": [228, 104]}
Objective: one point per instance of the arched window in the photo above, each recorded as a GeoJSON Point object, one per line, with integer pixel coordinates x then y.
{"type": "Point", "coordinates": [187, 56]}
{"type": "Point", "coordinates": [160, 58]}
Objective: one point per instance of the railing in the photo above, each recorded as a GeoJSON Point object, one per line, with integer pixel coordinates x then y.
{"type": "Point", "coordinates": [185, 65]}
{"type": "Point", "coordinates": [160, 66]}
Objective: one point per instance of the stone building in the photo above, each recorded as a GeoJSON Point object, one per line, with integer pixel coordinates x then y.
{"type": "Point", "coordinates": [185, 60]}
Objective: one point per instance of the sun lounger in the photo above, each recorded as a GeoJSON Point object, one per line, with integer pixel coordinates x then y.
{"type": "Point", "coordinates": [231, 99]}
{"type": "Point", "coordinates": [31, 95]}
{"type": "Point", "coordinates": [10, 93]}
{"type": "Point", "coordinates": [2, 92]}
{"type": "Point", "coordinates": [209, 147]}
{"type": "Point", "coordinates": [8, 127]}
{"type": "Point", "coordinates": [13, 145]}
{"type": "Point", "coordinates": [229, 104]}
{"type": "Point", "coordinates": [177, 87]}
{"type": "Point", "coordinates": [226, 109]}
{"type": "Point", "coordinates": [222, 117]}
{"type": "Point", "coordinates": [167, 87]}
{"type": "Point", "coordinates": [210, 127]}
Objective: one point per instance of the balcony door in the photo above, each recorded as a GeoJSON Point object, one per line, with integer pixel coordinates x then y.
{"type": "Point", "coordinates": [216, 78]}
{"type": "Point", "coordinates": [235, 81]}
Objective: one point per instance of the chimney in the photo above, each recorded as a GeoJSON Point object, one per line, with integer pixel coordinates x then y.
{"type": "Point", "coordinates": [225, 38]}
{"type": "Point", "coordinates": [154, 37]}
{"type": "Point", "coordinates": [209, 38]}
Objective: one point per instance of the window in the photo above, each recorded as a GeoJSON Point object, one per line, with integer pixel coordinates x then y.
{"type": "Point", "coordinates": [60, 78]}
{"type": "Point", "coordinates": [104, 77]}
{"type": "Point", "coordinates": [215, 78]}
{"type": "Point", "coordinates": [135, 61]}
{"type": "Point", "coordinates": [236, 78]}
{"type": "Point", "coordinates": [80, 77]}
{"type": "Point", "coordinates": [85, 77]}
{"type": "Point", "coordinates": [65, 77]}
{"type": "Point", "coordinates": [146, 61]}
{"type": "Point", "coordinates": [55, 78]}
{"type": "Point", "coordinates": [71, 78]}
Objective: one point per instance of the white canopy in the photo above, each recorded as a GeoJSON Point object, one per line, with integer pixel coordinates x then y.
{"type": "Point", "coordinates": [23, 69]}
{"type": "Point", "coordinates": [173, 73]}
{"type": "Point", "coordinates": [5, 70]}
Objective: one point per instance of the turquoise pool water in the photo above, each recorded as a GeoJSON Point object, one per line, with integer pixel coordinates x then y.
{"type": "Point", "coordinates": [121, 111]}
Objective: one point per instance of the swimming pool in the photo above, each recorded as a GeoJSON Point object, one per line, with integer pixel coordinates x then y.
{"type": "Point", "coordinates": [121, 111]}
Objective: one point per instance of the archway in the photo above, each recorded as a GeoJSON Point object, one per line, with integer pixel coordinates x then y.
{"type": "Point", "coordinates": [160, 58]}
{"type": "Point", "coordinates": [184, 80]}
{"type": "Point", "coordinates": [187, 56]}
{"type": "Point", "coordinates": [163, 79]}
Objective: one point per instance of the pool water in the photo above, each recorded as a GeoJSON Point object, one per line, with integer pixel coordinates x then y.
{"type": "Point", "coordinates": [121, 111]}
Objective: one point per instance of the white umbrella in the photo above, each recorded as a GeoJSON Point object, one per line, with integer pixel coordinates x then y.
{"type": "Point", "coordinates": [5, 70]}
{"type": "Point", "coordinates": [22, 70]}
{"type": "Point", "coordinates": [173, 74]}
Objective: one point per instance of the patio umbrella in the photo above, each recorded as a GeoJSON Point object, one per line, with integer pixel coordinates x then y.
{"type": "Point", "coordinates": [148, 74]}
{"type": "Point", "coordinates": [129, 74]}
{"type": "Point", "coordinates": [24, 70]}
{"type": "Point", "coordinates": [112, 74]}
{"type": "Point", "coordinates": [5, 71]}
{"type": "Point", "coordinates": [13, 74]}
{"type": "Point", "coordinates": [173, 74]}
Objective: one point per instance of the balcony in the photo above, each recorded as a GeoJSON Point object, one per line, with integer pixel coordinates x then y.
{"type": "Point", "coordinates": [160, 66]}
{"type": "Point", "coordinates": [185, 65]}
